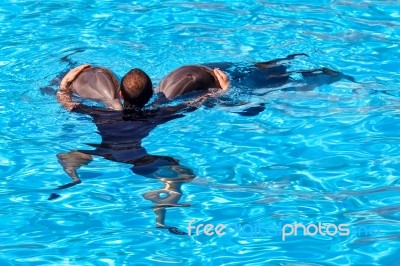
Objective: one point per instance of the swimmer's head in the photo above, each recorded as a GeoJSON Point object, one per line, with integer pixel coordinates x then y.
{"type": "Point", "coordinates": [136, 88]}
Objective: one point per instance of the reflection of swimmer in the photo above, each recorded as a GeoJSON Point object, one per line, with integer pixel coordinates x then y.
{"type": "Point", "coordinates": [168, 197]}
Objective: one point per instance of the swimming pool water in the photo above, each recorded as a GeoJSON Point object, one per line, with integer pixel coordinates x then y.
{"type": "Point", "coordinates": [330, 155]}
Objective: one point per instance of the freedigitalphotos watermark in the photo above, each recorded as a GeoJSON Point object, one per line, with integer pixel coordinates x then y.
{"type": "Point", "coordinates": [285, 230]}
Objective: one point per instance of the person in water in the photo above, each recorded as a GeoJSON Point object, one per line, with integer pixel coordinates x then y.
{"type": "Point", "coordinates": [128, 124]}
{"type": "Point", "coordinates": [122, 128]}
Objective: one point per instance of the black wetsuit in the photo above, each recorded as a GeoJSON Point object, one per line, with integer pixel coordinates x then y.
{"type": "Point", "coordinates": [122, 137]}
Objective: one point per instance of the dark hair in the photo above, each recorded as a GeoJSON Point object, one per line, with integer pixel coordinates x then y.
{"type": "Point", "coordinates": [136, 88]}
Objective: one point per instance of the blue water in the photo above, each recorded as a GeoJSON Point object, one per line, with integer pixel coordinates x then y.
{"type": "Point", "coordinates": [330, 155]}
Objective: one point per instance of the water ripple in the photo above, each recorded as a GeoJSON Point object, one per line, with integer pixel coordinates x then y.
{"type": "Point", "coordinates": [328, 155]}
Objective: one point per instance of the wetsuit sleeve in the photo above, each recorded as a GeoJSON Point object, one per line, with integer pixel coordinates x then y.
{"type": "Point", "coordinates": [178, 110]}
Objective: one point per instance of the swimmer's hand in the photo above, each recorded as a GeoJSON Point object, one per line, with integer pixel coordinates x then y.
{"type": "Point", "coordinates": [196, 103]}
{"type": "Point", "coordinates": [64, 92]}
{"type": "Point", "coordinates": [223, 79]}
{"type": "Point", "coordinates": [73, 73]}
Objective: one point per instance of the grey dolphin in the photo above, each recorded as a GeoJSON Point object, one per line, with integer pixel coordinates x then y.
{"type": "Point", "coordinates": [98, 84]}
{"type": "Point", "coordinates": [188, 79]}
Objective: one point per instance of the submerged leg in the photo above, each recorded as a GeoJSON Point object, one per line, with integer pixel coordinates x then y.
{"type": "Point", "coordinates": [71, 162]}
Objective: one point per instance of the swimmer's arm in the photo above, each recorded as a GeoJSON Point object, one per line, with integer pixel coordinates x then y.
{"type": "Point", "coordinates": [196, 103]}
{"type": "Point", "coordinates": [190, 106]}
{"type": "Point", "coordinates": [64, 94]}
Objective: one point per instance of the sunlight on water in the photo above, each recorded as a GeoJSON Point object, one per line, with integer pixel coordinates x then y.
{"type": "Point", "coordinates": [327, 155]}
